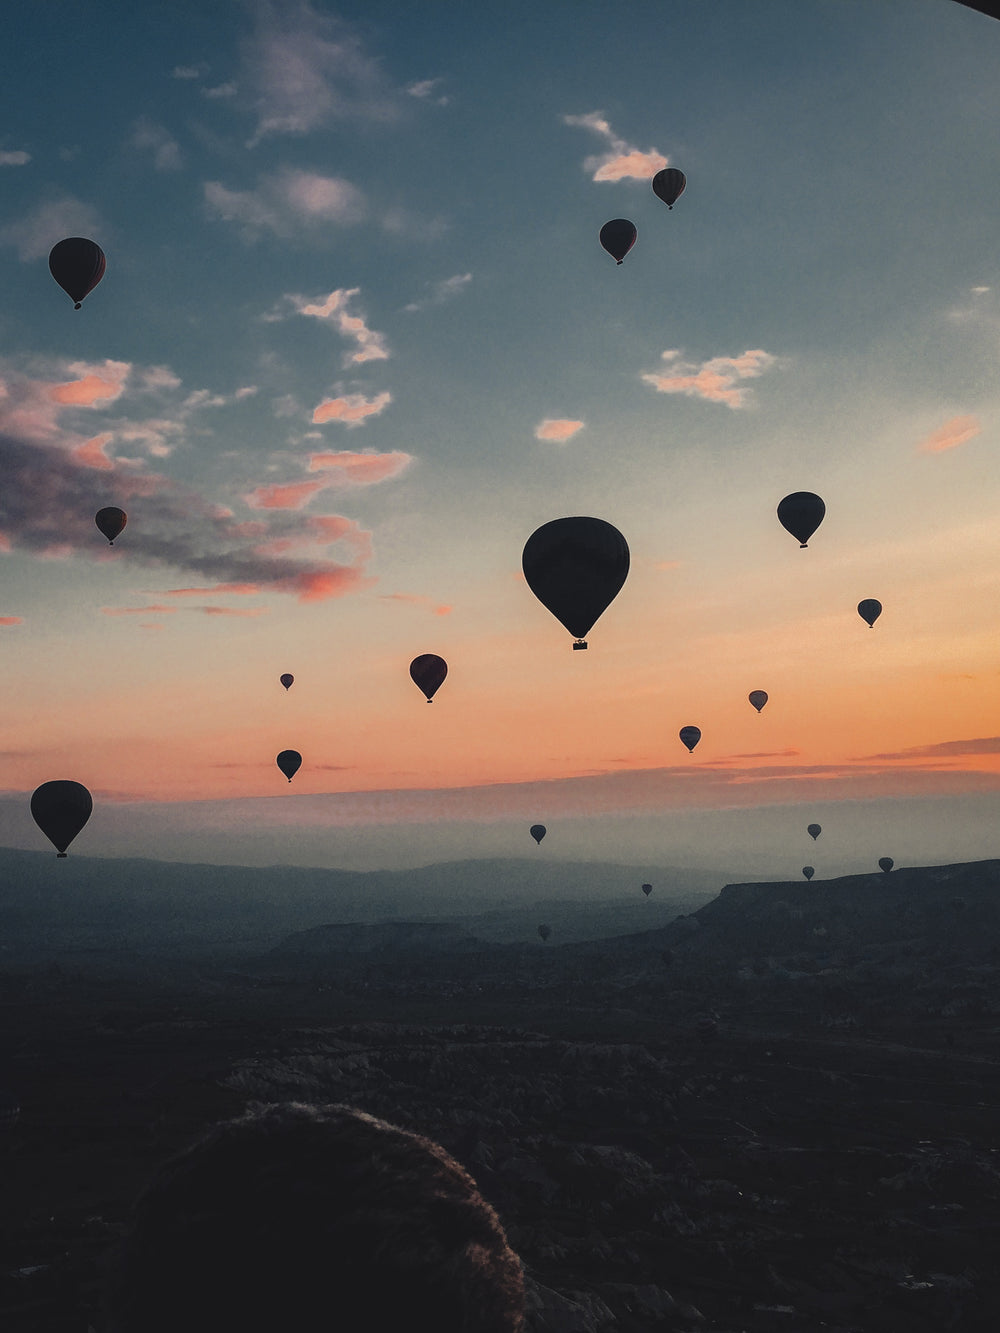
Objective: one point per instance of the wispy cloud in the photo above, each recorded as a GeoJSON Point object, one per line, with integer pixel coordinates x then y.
{"type": "Point", "coordinates": [557, 428]}
{"type": "Point", "coordinates": [425, 90]}
{"type": "Point", "coordinates": [11, 620]}
{"type": "Point", "coordinates": [945, 749]}
{"type": "Point", "coordinates": [305, 69]}
{"type": "Point", "coordinates": [333, 308]}
{"type": "Point", "coordinates": [14, 158]}
{"type": "Point", "coordinates": [959, 430]}
{"type": "Point", "coordinates": [620, 159]}
{"type": "Point", "coordinates": [147, 136]}
{"type": "Point", "coordinates": [714, 380]}
{"type": "Point", "coordinates": [365, 469]}
{"type": "Point", "coordinates": [351, 409]}
{"type": "Point", "coordinates": [189, 71]}
{"type": "Point", "coordinates": [290, 495]}
{"type": "Point", "coordinates": [289, 203]}
{"type": "Point", "coordinates": [443, 291]}
{"type": "Point", "coordinates": [416, 599]}
{"type": "Point", "coordinates": [34, 235]}
{"type": "Point", "coordinates": [138, 610]}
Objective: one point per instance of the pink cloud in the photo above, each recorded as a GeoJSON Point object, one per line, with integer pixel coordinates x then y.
{"type": "Point", "coordinates": [321, 585]}
{"type": "Point", "coordinates": [96, 386]}
{"type": "Point", "coordinates": [371, 344]}
{"type": "Point", "coordinates": [959, 430]}
{"type": "Point", "coordinates": [620, 160]}
{"type": "Point", "coordinates": [231, 589]}
{"type": "Point", "coordinates": [352, 409]}
{"type": "Point", "coordinates": [557, 428]}
{"type": "Point", "coordinates": [233, 611]}
{"type": "Point", "coordinates": [366, 469]}
{"type": "Point", "coordinates": [91, 454]}
{"type": "Point", "coordinates": [713, 380]}
{"type": "Point", "coordinates": [291, 495]}
{"type": "Point", "coordinates": [138, 610]}
{"type": "Point", "coordinates": [11, 620]}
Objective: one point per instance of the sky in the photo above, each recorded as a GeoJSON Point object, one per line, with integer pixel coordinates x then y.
{"type": "Point", "coordinates": [357, 340]}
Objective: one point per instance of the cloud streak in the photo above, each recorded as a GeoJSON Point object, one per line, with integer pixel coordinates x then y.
{"type": "Point", "coordinates": [370, 343]}
{"type": "Point", "coordinates": [620, 159]}
{"type": "Point", "coordinates": [558, 429]}
{"type": "Point", "coordinates": [288, 203]}
{"type": "Point", "coordinates": [959, 430]}
{"type": "Point", "coordinates": [714, 380]}
{"type": "Point", "coordinates": [945, 749]}
{"type": "Point", "coordinates": [352, 409]}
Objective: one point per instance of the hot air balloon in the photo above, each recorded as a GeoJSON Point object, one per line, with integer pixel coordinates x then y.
{"type": "Point", "coordinates": [801, 514]}
{"type": "Point", "coordinates": [428, 672]}
{"type": "Point", "coordinates": [545, 931]}
{"type": "Point", "coordinates": [814, 830]}
{"type": "Point", "coordinates": [618, 237]}
{"type": "Point", "coordinates": [576, 567]}
{"type": "Point", "coordinates": [808, 871]}
{"type": "Point", "coordinates": [537, 831]}
{"type": "Point", "coordinates": [288, 680]}
{"type": "Point", "coordinates": [647, 889]}
{"type": "Point", "coordinates": [289, 761]}
{"type": "Point", "coordinates": [78, 266]}
{"type": "Point", "coordinates": [60, 809]}
{"type": "Point", "coordinates": [668, 185]}
{"type": "Point", "coordinates": [885, 864]}
{"type": "Point", "coordinates": [869, 610]}
{"type": "Point", "coordinates": [690, 736]}
{"type": "Point", "coordinates": [758, 698]}
{"type": "Point", "coordinates": [111, 521]}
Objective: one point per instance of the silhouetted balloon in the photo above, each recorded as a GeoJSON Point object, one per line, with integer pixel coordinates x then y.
{"type": "Point", "coordinates": [288, 680]}
{"type": "Point", "coordinates": [545, 931]}
{"type": "Point", "coordinates": [576, 567]}
{"type": "Point", "coordinates": [885, 864]}
{"type": "Point", "coordinates": [428, 672]}
{"type": "Point", "coordinates": [758, 698]}
{"type": "Point", "coordinates": [111, 521]}
{"type": "Point", "coordinates": [869, 610]}
{"type": "Point", "coordinates": [618, 237]}
{"type": "Point", "coordinates": [78, 266]}
{"type": "Point", "coordinates": [60, 809]}
{"type": "Point", "coordinates": [537, 831]}
{"type": "Point", "coordinates": [808, 871]}
{"type": "Point", "coordinates": [814, 830]}
{"type": "Point", "coordinates": [801, 514]}
{"type": "Point", "coordinates": [647, 889]}
{"type": "Point", "coordinates": [668, 185]}
{"type": "Point", "coordinates": [289, 761]}
{"type": "Point", "coordinates": [690, 736]}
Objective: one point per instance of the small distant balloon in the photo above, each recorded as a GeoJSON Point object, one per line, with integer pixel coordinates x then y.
{"type": "Point", "coordinates": [647, 889]}
{"type": "Point", "coordinates": [576, 567]}
{"type": "Point", "coordinates": [814, 830]}
{"type": "Point", "coordinates": [801, 514]}
{"type": "Point", "coordinates": [869, 610]}
{"type": "Point", "coordinates": [690, 736]}
{"type": "Point", "coordinates": [885, 864]}
{"type": "Point", "coordinates": [60, 809]}
{"type": "Point", "coordinates": [289, 761]}
{"type": "Point", "coordinates": [618, 237]}
{"type": "Point", "coordinates": [668, 185]}
{"type": "Point", "coordinates": [758, 698]}
{"type": "Point", "coordinates": [288, 680]}
{"type": "Point", "coordinates": [428, 672]}
{"type": "Point", "coordinates": [808, 871]}
{"type": "Point", "coordinates": [545, 931]}
{"type": "Point", "coordinates": [537, 831]}
{"type": "Point", "coordinates": [110, 522]}
{"type": "Point", "coordinates": [78, 266]}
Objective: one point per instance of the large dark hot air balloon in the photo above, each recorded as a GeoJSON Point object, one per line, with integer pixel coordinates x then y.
{"type": "Point", "coordinates": [690, 736]}
{"type": "Point", "coordinates": [758, 698]}
{"type": "Point", "coordinates": [618, 237]}
{"type": "Point", "coordinates": [576, 567]}
{"type": "Point", "coordinates": [647, 889]}
{"type": "Point", "coordinates": [78, 266]}
{"type": "Point", "coordinates": [668, 185]}
{"type": "Point", "coordinates": [428, 672]}
{"type": "Point", "coordinates": [288, 680]}
{"type": "Point", "coordinates": [545, 931]}
{"type": "Point", "coordinates": [60, 809]}
{"type": "Point", "coordinates": [801, 514]}
{"type": "Point", "coordinates": [869, 610]}
{"type": "Point", "coordinates": [289, 761]}
{"type": "Point", "coordinates": [885, 864]}
{"type": "Point", "coordinates": [111, 521]}
{"type": "Point", "coordinates": [808, 871]}
{"type": "Point", "coordinates": [814, 830]}
{"type": "Point", "coordinates": [537, 831]}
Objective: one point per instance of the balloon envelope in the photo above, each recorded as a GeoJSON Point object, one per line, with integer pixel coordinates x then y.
{"type": "Point", "coordinates": [110, 521]}
{"type": "Point", "coordinates": [758, 698]}
{"type": "Point", "coordinates": [618, 237]}
{"type": "Point", "coordinates": [801, 514]}
{"type": "Point", "coordinates": [808, 871]}
{"type": "Point", "coordinates": [814, 830]}
{"type": "Point", "coordinates": [668, 185]}
{"type": "Point", "coordinates": [288, 680]}
{"type": "Point", "coordinates": [77, 265]}
{"type": "Point", "coordinates": [690, 736]}
{"type": "Point", "coordinates": [886, 863]}
{"type": "Point", "coordinates": [545, 931]}
{"type": "Point", "coordinates": [576, 567]}
{"type": "Point", "coordinates": [647, 889]}
{"type": "Point", "coordinates": [428, 672]}
{"type": "Point", "coordinates": [537, 831]}
{"type": "Point", "coordinates": [869, 610]}
{"type": "Point", "coordinates": [289, 761]}
{"type": "Point", "coordinates": [60, 809]}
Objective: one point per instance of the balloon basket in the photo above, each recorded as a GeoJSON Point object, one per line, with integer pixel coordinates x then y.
{"type": "Point", "coordinates": [580, 644]}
